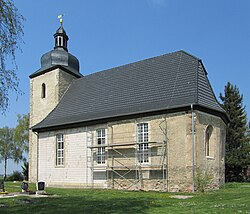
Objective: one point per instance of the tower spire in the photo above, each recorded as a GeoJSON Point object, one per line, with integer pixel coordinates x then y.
{"type": "Point", "coordinates": [60, 17]}
{"type": "Point", "coordinates": [60, 36]}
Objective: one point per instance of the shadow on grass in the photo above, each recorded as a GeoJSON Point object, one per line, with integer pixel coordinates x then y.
{"type": "Point", "coordinates": [77, 204]}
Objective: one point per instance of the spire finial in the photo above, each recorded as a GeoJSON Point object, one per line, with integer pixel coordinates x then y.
{"type": "Point", "coordinates": [60, 17]}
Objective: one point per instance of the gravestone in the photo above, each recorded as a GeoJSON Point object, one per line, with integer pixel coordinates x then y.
{"type": "Point", "coordinates": [41, 186]}
{"type": "Point", "coordinates": [24, 186]}
{"type": "Point", "coordinates": [2, 186]}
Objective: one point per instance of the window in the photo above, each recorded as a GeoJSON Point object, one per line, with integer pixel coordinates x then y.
{"type": "Point", "coordinates": [59, 150]}
{"type": "Point", "coordinates": [208, 134]}
{"type": "Point", "coordinates": [101, 150]}
{"type": "Point", "coordinates": [43, 90]}
{"type": "Point", "coordinates": [142, 139]}
{"type": "Point", "coordinates": [60, 41]}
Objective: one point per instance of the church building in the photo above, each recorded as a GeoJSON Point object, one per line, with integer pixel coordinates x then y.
{"type": "Point", "coordinates": [154, 124]}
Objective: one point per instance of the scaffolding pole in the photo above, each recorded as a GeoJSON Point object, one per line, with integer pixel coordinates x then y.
{"type": "Point", "coordinates": [119, 171]}
{"type": "Point", "coordinates": [164, 154]}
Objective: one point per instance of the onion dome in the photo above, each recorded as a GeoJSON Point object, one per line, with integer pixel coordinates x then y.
{"type": "Point", "coordinates": [59, 56]}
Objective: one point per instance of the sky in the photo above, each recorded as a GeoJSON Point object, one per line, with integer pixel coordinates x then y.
{"type": "Point", "coordinates": [105, 34]}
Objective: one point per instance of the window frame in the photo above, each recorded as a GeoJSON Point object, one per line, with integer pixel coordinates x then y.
{"type": "Point", "coordinates": [101, 140]}
{"type": "Point", "coordinates": [208, 144]}
{"type": "Point", "coordinates": [142, 143]}
{"type": "Point", "coordinates": [59, 41]}
{"type": "Point", "coordinates": [60, 145]}
{"type": "Point", "coordinates": [43, 94]}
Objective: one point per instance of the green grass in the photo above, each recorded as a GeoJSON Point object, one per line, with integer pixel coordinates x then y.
{"type": "Point", "coordinates": [233, 198]}
{"type": "Point", "coordinates": [11, 187]}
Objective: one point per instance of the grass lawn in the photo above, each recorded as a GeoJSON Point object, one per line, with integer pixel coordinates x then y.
{"type": "Point", "coordinates": [233, 198]}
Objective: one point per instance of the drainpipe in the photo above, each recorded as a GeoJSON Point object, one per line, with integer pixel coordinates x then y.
{"type": "Point", "coordinates": [193, 168]}
{"type": "Point", "coordinates": [166, 141]}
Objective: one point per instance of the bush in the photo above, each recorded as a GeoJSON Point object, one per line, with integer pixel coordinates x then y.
{"type": "Point", "coordinates": [15, 176]}
{"type": "Point", "coordinates": [202, 181]}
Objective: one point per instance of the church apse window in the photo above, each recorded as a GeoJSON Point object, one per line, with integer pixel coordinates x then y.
{"type": "Point", "coordinates": [101, 138]}
{"type": "Point", "coordinates": [208, 146]}
{"type": "Point", "coordinates": [59, 150]}
{"type": "Point", "coordinates": [43, 95]}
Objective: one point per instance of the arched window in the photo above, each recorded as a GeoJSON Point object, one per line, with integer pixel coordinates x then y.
{"type": "Point", "coordinates": [208, 134]}
{"type": "Point", "coordinates": [60, 41]}
{"type": "Point", "coordinates": [43, 90]}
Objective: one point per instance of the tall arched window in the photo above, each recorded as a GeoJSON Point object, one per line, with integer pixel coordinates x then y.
{"type": "Point", "coordinates": [208, 134]}
{"type": "Point", "coordinates": [43, 90]}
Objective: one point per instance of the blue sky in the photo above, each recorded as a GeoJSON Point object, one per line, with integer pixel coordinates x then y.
{"type": "Point", "coordinates": [105, 34]}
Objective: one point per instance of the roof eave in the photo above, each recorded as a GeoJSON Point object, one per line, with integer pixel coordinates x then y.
{"type": "Point", "coordinates": [43, 71]}
{"type": "Point", "coordinates": [95, 121]}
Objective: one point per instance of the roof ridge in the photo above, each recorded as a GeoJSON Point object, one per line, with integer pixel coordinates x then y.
{"type": "Point", "coordinates": [209, 86]}
{"type": "Point", "coordinates": [139, 61]}
{"type": "Point", "coordinates": [191, 55]}
{"type": "Point", "coordinates": [196, 82]}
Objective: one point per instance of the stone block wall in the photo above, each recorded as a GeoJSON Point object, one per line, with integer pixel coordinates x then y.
{"type": "Point", "coordinates": [56, 83]}
{"type": "Point", "coordinates": [214, 164]}
{"type": "Point", "coordinates": [174, 175]}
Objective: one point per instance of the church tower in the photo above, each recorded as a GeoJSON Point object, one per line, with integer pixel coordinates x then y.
{"type": "Point", "coordinates": [47, 86]}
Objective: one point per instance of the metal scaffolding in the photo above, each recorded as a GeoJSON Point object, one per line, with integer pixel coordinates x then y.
{"type": "Point", "coordinates": [123, 170]}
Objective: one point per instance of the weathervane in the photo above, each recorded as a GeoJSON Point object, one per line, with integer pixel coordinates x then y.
{"type": "Point", "coordinates": [60, 17]}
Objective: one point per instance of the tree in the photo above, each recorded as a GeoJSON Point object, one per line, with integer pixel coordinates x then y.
{"type": "Point", "coordinates": [14, 142]}
{"type": "Point", "coordinates": [6, 146]}
{"type": "Point", "coordinates": [21, 133]}
{"type": "Point", "coordinates": [11, 33]}
{"type": "Point", "coordinates": [237, 140]}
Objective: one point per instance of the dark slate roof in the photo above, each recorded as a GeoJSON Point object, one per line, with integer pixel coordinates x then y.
{"type": "Point", "coordinates": [58, 58]}
{"type": "Point", "coordinates": [165, 82]}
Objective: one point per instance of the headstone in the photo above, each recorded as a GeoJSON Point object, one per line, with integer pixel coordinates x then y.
{"type": "Point", "coordinates": [2, 186]}
{"type": "Point", "coordinates": [40, 186]}
{"type": "Point", "coordinates": [24, 186]}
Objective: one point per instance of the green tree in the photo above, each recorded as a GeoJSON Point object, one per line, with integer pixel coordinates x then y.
{"type": "Point", "coordinates": [6, 146]}
{"type": "Point", "coordinates": [14, 142]}
{"type": "Point", "coordinates": [237, 140]}
{"type": "Point", "coordinates": [21, 133]}
{"type": "Point", "coordinates": [11, 33]}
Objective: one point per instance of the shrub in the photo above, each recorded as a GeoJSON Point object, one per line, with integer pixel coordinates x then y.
{"type": "Point", "coordinates": [202, 181]}
{"type": "Point", "coordinates": [15, 176]}
{"type": "Point", "coordinates": [25, 170]}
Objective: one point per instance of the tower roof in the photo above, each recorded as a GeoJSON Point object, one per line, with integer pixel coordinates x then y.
{"type": "Point", "coordinates": [61, 30]}
{"type": "Point", "coordinates": [59, 57]}
{"type": "Point", "coordinates": [61, 39]}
